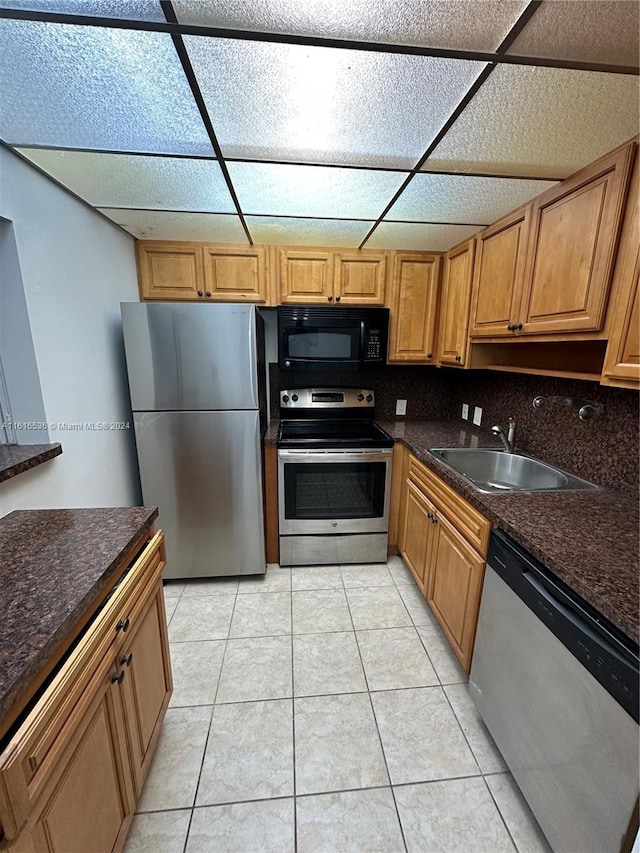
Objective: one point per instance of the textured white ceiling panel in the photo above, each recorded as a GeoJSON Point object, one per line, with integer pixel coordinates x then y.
{"type": "Point", "coordinates": [313, 191]}
{"type": "Point", "coordinates": [124, 180]}
{"type": "Point", "coordinates": [461, 198]}
{"type": "Point", "coordinates": [169, 225]}
{"type": "Point", "coordinates": [546, 122]}
{"type": "Point", "coordinates": [435, 23]}
{"type": "Point", "coordinates": [307, 232]}
{"type": "Point", "coordinates": [421, 238]}
{"type": "Point", "coordinates": [289, 102]}
{"type": "Point", "coordinates": [141, 10]}
{"type": "Point", "coordinates": [588, 30]}
{"type": "Point", "coordinates": [88, 87]}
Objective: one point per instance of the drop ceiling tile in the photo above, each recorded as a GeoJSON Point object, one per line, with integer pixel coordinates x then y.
{"type": "Point", "coordinates": [313, 191]}
{"type": "Point", "coordinates": [308, 232]}
{"type": "Point", "coordinates": [141, 10]}
{"type": "Point", "coordinates": [461, 198]}
{"type": "Point", "coordinates": [546, 122]}
{"type": "Point", "coordinates": [436, 23]}
{"type": "Point", "coordinates": [418, 237]}
{"type": "Point", "coordinates": [132, 180]}
{"type": "Point", "coordinates": [603, 31]}
{"type": "Point", "coordinates": [170, 225]}
{"type": "Point", "coordinates": [315, 104]}
{"type": "Point", "coordinates": [90, 87]}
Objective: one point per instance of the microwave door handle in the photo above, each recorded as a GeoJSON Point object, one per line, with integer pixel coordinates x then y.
{"type": "Point", "coordinates": [362, 342]}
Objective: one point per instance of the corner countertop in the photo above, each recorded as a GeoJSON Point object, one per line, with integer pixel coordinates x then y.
{"type": "Point", "coordinates": [16, 458]}
{"type": "Point", "coordinates": [53, 565]}
{"type": "Point", "coordinates": [589, 540]}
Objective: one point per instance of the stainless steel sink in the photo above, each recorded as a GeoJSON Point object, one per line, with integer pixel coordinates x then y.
{"type": "Point", "coordinates": [498, 471]}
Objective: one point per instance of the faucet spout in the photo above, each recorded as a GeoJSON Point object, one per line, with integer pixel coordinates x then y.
{"type": "Point", "coordinates": [508, 439]}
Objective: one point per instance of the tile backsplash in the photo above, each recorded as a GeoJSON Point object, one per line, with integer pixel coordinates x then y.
{"type": "Point", "coordinates": [604, 449]}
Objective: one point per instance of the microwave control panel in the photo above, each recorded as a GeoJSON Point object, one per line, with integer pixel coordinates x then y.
{"type": "Point", "coordinates": [374, 346]}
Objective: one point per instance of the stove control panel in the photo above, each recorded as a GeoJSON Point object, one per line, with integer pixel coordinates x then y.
{"type": "Point", "coordinates": [327, 398]}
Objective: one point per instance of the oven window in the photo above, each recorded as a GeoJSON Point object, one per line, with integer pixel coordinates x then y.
{"type": "Point", "coordinates": [326, 344]}
{"type": "Point", "coordinates": [334, 490]}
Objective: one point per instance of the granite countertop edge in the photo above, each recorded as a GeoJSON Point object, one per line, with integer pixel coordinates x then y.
{"type": "Point", "coordinates": [17, 458]}
{"type": "Point", "coordinates": [102, 583]}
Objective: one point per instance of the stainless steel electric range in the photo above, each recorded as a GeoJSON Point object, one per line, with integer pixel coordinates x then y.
{"type": "Point", "coordinates": [334, 478]}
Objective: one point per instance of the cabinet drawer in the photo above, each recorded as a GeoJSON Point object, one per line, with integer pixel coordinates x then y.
{"type": "Point", "coordinates": [31, 756]}
{"type": "Point", "coordinates": [471, 523]}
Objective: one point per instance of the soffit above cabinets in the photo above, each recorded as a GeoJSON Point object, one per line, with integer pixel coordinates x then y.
{"type": "Point", "coordinates": [402, 124]}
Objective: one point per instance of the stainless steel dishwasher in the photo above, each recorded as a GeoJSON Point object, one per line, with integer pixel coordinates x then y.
{"type": "Point", "coordinates": [557, 687]}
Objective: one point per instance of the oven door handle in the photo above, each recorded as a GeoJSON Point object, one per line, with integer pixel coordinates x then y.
{"type": "Point", "coordinates": [381, 455]}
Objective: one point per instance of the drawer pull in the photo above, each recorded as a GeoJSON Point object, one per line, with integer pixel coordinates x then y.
{"type": "Point", "coordinates": [117, 676]}
{"type": "Point", "coordinates": [122, 625]}
{"type": "Point", "coordinates": [125, 660]}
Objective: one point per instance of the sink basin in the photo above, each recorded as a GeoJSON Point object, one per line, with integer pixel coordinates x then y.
{"type": "Point", "coordinates": [498, 471]}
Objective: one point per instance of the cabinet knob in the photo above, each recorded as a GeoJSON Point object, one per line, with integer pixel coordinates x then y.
{"type": "Point", "coordinates": [510, 327]}
{"type": "Point", "coordinates": [117, 677]}
{"type": "Point", "coordinates": [458, 357]}
{"type": "Point", "coordinates": [338, 298]}
{"type": "Point", "coordinates": [123, 625]}
{"type": "Point", "coordinates": [200, 293]}
{"type": "Point", "coordinates": [207, 293]}
{"type": "Point", "coordinates": [125, 660]}
{"type": "Point", "coordinates": [429, 355]}
{"type": "Point", "coordinates": [518, 326]}
{"type": "Point", "coordinates": [330, 298]}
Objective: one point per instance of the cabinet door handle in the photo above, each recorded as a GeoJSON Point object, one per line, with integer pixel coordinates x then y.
{"type": "Point", "coordinates": [118, 677]}
{"type": "Point", "coordinates": [338, 298]}
{"type": "Point", "coordinates": [200, 293]}
{"type": "Point", "coordinates": [125, 660]}
{"type": "Point", "coordinates": [518, 326]}
{"type": "Point", "coordinates": [207, 293]}
{"type": "Point", "coordinates": [510, 327]}
{"type": "Point", "coordinates": [330, 298]}
{"type": "Point", "coordinates": [458, 357]}
{"type": "Point", "coordinates": [429, 355]}
{"type": "Point", "coordinates": [123, 625]}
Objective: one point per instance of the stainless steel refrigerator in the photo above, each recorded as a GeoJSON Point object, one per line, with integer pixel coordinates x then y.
{"type": "Point", "coordinates": [197, 383]}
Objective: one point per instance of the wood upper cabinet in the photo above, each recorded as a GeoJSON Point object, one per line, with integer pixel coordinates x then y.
{"type": "Point", "coordinates": [416, 535]}
{"type": "Point", "coordinates": [414, 306]}
{"type": "Point", "coordinates": [571, 254]}
{"type": "Point", "coordinates": [235, 273]}
{"type": "Point", "coordinates": [498, 275]}
{"type": "Point", "coordinates": [305, 276]}
{"type": "Point", "coordinates": [456, 574]}
{"type": "Point", "coordinates": [622, 359]}
{"type": "Point", "coordinates": [453, 342]}
{"type": "Point", "coordinates": [360, 278]}
{"type": "Point", "coordinates": [170, 270]}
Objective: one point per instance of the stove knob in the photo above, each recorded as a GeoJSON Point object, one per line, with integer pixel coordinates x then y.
{"type": "Point", "coordinates": [295, 398]}
{"type": "Point", "coordinates": [360, 397]}
{"type": "Point", "coordinates": [369, 398]}
{"type": "Point", "coordinates": [285, 398]}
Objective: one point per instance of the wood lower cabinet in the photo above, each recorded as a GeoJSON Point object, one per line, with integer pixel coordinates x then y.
{"type": "Point", "coordinates": [414, 307]}
{"type": "Point", "coordinates": [444, 542]}
{"type": "Point", "coordinates": [360, 278]}
{"type": "Point", "coordinates": [71, 774]}
{"type": "Point", "coordinates": [453, 342]}
{"type": "Point", "coordinates": [168, 271]}
{"type": "Point", "coordinates": [235, 273]}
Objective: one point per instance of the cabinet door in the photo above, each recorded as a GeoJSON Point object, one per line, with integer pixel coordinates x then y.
{"type": "Point", "coordinates": [417, 533]}
{"type": "Point", "coordinates": [235, 273]}
{"type": "Point", "coordinates": [454, 304]}
{"type": "Point", "coordinates": [571, 254]}
{"type": "Point", "coordinates": [146, 683]}
{"type": "Point", "coordinates": [454, 588]}
{"type": "Point", "coordinates": [170, 271]}
{"type": "Point", "coordinates": [359, 279]}
{"type": "Point", "coordinates": [414, 307]}
{"type": "Point", "coordinates": [305, 277]}
{"type": "Point", "coordinates": [499, 275]}
{"type": "Point", "coordinates": [91, 806]}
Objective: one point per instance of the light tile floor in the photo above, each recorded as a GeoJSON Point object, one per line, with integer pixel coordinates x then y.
{"type": "Point", "coordinates": [321, 710]}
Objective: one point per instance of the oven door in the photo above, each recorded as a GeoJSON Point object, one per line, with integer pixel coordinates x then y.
{"type": "Point", "coordinates": [334, 491]}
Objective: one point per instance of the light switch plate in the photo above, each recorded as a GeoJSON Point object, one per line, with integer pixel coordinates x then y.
{"type": "Point", "coordinates": [401, 407]}
{"type": "Point", "coordinates": [477, 415]}
{"type": "Point", "coordinates": [465, 411]}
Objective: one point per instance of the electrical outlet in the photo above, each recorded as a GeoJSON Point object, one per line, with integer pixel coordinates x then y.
{"type": "Point", "coordinates": [477, 415]}
{"type": "Point", "coordinates": [465, 411]}
{"type": "Point", "coordinates": [401, 407]}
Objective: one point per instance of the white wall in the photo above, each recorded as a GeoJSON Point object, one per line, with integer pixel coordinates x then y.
{"type": "Point", "coordinates": [76, 269]}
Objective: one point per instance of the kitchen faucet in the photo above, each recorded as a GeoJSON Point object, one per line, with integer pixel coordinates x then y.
{"type": "Point", "coordinates": [508, 440]}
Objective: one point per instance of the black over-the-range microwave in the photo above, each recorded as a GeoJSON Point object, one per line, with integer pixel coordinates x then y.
{"type": "Point", "coordinates": [317, 338]}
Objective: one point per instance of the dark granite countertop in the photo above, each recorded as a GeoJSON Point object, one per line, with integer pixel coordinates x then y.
{"type": "Point", "coordinates": [53, 565]}
{"type": "Point", "coordinates": [271, 434]}
{"type": "Point", "coordinates": [16, 458]}
{"type": "Point", "coordinates": [589, 540]}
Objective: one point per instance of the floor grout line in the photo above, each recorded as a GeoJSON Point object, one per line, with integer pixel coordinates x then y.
{"type": "Point", "coordinates": [293, 736]}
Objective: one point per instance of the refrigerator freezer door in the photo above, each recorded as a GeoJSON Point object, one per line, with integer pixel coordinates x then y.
{"type": "Point", "coordinates": [203, 471]}
{"type": "Point", "coordinates": [190, 357]}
